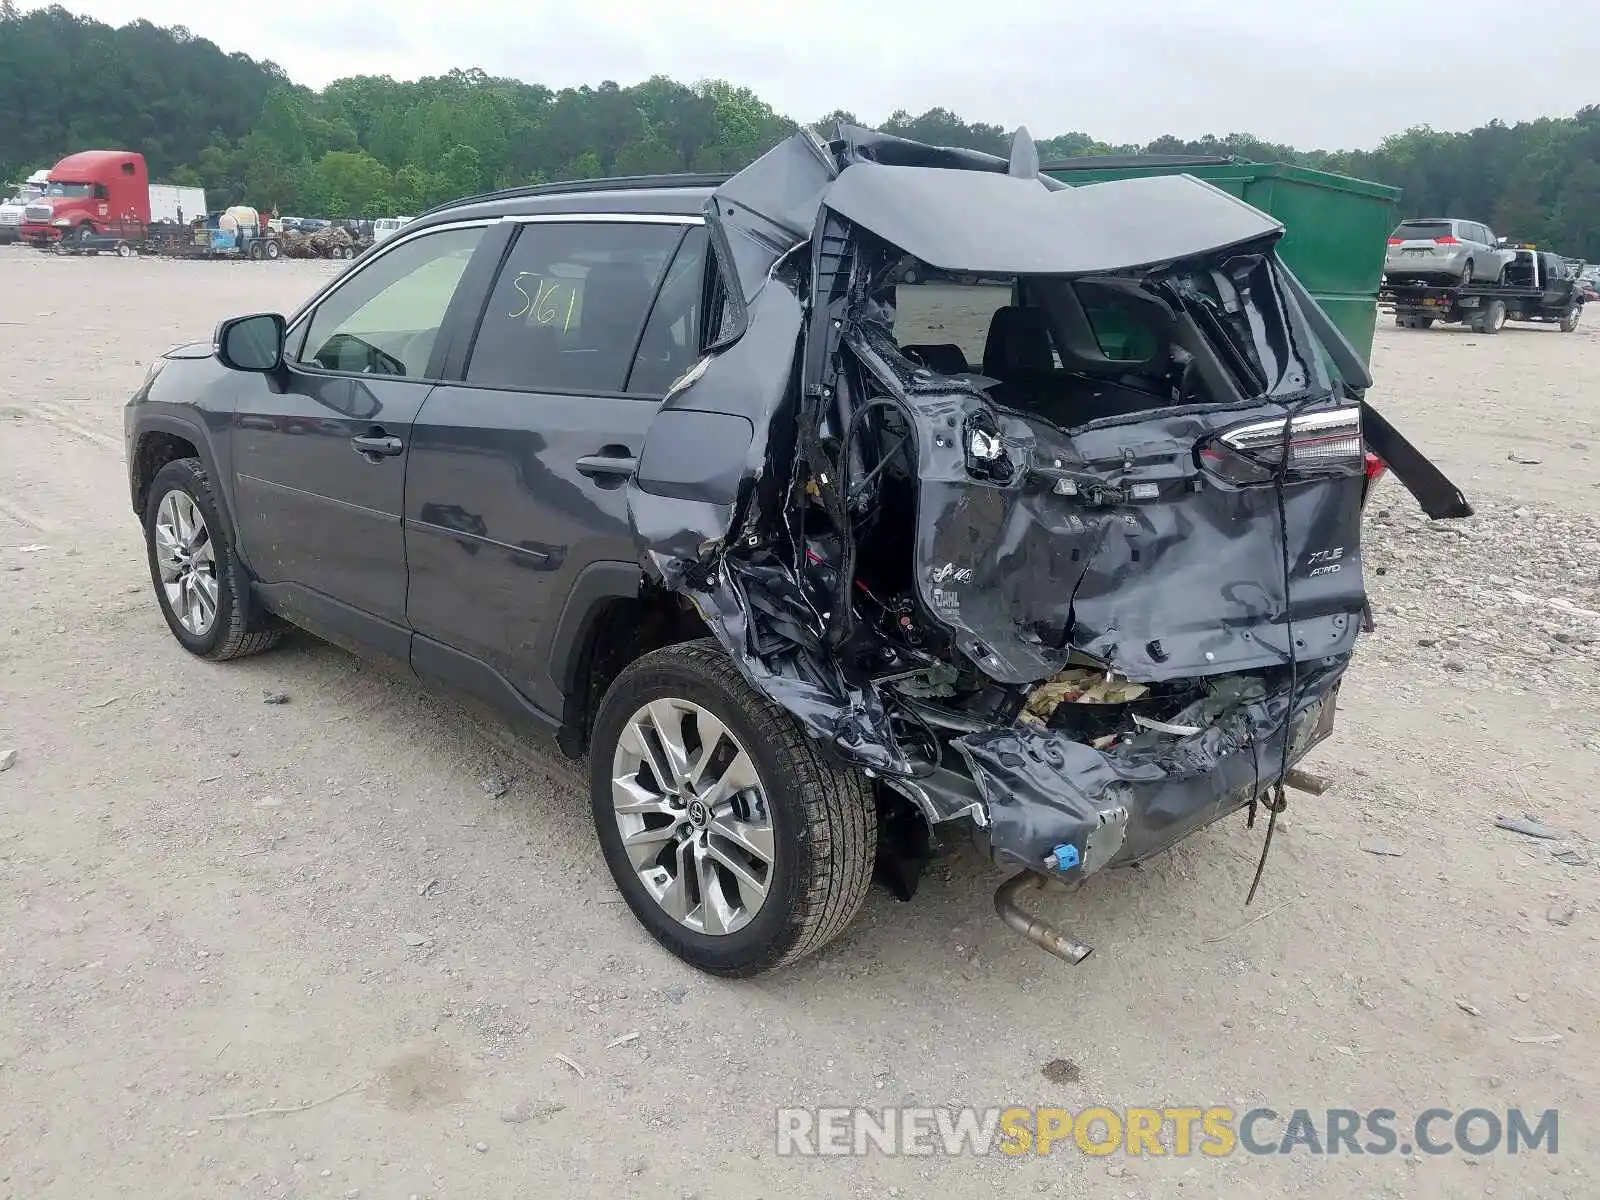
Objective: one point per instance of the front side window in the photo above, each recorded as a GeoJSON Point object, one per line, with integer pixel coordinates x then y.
{"type": "Point", "coordinates": [568, 308]}
{"type": "Point", "coordinates": [386, 319]}
{"type": "Point", "coordinates": [77, 191]}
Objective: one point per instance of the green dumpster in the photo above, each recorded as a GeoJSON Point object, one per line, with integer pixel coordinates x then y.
{"type": "Point", "coordinates": [1336, 229]}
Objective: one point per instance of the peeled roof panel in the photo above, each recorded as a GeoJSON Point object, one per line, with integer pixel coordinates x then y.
{"type": "Point", "coordinates": [985, 222]}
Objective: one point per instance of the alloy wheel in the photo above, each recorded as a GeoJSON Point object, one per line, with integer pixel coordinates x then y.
{"type": "Point", "coordinates": [693, 815]}
{"type": "Point", "coordinates": [187, 561]}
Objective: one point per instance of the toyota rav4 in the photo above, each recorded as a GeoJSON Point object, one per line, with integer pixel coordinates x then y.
{"type": "Point", "coordinates": [810, 563]}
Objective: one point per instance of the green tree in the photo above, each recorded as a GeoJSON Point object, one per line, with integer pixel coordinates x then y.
{"type": "Point", "coordinates": [372, 144]}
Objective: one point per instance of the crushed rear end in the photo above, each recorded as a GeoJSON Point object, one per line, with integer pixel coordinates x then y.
{"type": "Point", "coordinates": [1090, 592]}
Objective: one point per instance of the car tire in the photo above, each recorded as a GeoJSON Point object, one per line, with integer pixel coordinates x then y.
{"type": "Point", "coordinates": [1466, 273]}
{"type": "Point", "coordinates": [1493, 317]}
{"type": "Point", "coordinates": [817, 820]}
{"type": "Point", "coordinates": [272, 249]}
{"type": "Point", "coordinates": [85, 234]}
{"type": "Point", "coordinates": [1569, 319]}
{"type": "Point", "coordinates": [237, 626]}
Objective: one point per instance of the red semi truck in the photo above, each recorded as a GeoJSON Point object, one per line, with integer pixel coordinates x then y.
{"type": "Point", "coordinates": [105, 193]}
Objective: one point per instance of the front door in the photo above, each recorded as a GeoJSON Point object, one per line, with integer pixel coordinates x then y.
{"type": "Point", "coordinates": [320, 454]}
{"type": "Point", "coordinates": [516, 479]}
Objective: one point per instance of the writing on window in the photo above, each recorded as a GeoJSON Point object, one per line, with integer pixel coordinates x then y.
{"type": "Point", "coordinates": [548, 300]}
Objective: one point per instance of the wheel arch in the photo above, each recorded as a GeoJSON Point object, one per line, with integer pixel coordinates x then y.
{"type": "Point", "coordinates": [162, 438]}
{"type": "Point", "coordinates": [611, 617]}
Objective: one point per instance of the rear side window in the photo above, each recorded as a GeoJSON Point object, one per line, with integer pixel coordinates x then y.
{"type": "Point", "coordinates": [1418, 231]}
{"type": "Point", "coordinates": [676, 329]}
{"type": "Point", "coordinates": [567, 311]}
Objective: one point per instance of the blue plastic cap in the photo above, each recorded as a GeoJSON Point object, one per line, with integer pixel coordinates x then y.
{"type": "Point", "coordinates": [1067, 857]}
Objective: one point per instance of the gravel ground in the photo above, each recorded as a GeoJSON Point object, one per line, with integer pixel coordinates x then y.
{"type": "Point", "coordinates": [215, 905]}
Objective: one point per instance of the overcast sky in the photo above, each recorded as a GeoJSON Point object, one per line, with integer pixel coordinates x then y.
{"type": "Point", "coordinates": [1338, 73]}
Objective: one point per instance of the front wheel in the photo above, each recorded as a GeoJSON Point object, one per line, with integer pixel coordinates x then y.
{"type": "Point", "coordinates": [202, 587]}
{"type": "Point", "coordinates": [85, 234]}
{"type": "Point", "coordinates": [736, 844]}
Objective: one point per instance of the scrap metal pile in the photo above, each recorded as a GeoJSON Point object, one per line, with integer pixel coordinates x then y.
{"type": "Point", "coordinates": [332, 242]}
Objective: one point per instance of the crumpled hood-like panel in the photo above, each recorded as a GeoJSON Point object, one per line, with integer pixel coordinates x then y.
{"type": "Point", "coordinates": [959, 210]}
{"type": "Point", "coordinates": [1001, 225]}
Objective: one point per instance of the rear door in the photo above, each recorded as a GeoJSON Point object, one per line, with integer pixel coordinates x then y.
{"type": "Point", "coordinates": [320, 456]}
{"type": "Point", "coordinates": [515, 487]}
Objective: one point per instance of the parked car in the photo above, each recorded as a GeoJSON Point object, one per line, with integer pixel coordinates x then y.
{"type": "Point", "coordinates": [1444, 248]}
{"type": "Point", "coordinates": [808, 580]}
{"type": "Point", "coordinates": [385, 226]}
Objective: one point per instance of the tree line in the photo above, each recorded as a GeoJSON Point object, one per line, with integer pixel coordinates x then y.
{"type": "Point", "coordinates": [371, 146]}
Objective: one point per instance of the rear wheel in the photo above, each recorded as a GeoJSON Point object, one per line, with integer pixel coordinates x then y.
{"type": "Point", "coordinates": [1569, 319]}
{"type": "Point", "coordinates": [1466, 272]}
{"type": "Point", "coordinates": [735, 843]}
{"type": "Point", "coordinates": [273, 249]}
{"type": "Point", "coordinates": [124, 250]}
{"type": "Point", "coordinates": [1493, 317]}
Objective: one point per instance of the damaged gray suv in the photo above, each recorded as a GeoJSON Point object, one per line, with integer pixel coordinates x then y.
{"type": "Point", "coordinates": [1060, 545]}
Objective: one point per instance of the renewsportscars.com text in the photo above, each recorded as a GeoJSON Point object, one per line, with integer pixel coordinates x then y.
{"type": "Point", "coordinates": [1178, 1131]}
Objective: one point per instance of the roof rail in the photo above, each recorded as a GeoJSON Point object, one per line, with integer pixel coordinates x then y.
{"type": "Point", "coordinates": [615, 183]}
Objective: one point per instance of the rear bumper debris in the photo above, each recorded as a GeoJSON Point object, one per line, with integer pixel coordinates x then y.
{"type": "Point", "coordinates": [1055, 804]}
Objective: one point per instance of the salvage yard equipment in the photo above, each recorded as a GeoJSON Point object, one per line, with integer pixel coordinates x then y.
{"type": "Point", "coordinates": [1537, 286]}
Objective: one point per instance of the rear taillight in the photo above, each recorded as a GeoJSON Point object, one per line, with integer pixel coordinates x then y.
{"type": "Point", "coordinates": [1447, 240]}
{"type": "Point", "coordinates": [1318, 442]}
{"type": "Point", "coordinates": [1397, 241]}
{"type": "Point", "coordinates": [1375, 467]}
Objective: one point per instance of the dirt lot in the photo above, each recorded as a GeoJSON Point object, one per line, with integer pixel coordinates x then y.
{"type": "Point", "coordinates": [213, 905]}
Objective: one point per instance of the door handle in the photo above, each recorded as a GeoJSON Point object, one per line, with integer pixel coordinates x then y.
{"type": "Point", "coordinates": [377, 445]}
{"type": "Point", "coordinates": [609, 466]}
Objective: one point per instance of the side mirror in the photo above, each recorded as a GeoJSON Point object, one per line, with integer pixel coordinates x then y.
{"type": "Point", "coordinates": [253, 343]}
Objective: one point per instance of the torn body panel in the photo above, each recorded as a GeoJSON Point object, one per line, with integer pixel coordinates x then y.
{"type": "Point", "coordinates": [901, 556]}
{"type": "Point", "coordinates": [1044, 791]}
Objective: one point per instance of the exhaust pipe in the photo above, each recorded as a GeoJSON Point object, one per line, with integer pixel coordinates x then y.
{"type": "Point", "coordinates": [1305, 781]}
{"type": "Point", "coordinates": [1038, 931]}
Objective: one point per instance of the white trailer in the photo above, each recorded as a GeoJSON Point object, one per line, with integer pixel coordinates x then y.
{"type": "Point", "coordinates": [169, 202]}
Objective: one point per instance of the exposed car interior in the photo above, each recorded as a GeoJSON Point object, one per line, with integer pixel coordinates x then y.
{"type": "Point", "coordinates": [1073, 351]}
